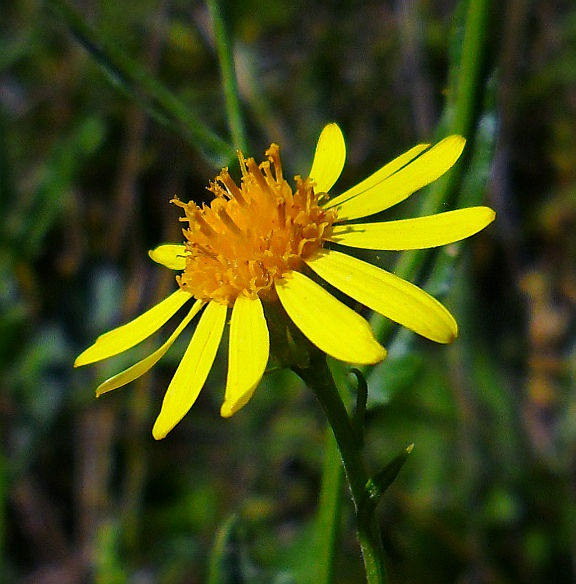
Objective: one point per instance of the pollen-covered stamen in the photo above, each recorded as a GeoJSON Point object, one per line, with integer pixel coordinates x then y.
{"type": "Point", "coordinates": [242, 162]}
{"type": "Point", "coordinates": [198, 223]}
{"type": "Point", "coordinates": [281, 209]}
{"type": "Point", "coordinates": [202, 250]}
{"type": "Point", "coordinates": [273, 155]}
{"type": "Point", "coordinates": [256, 172]}
{"type": "Point", "coordinates": [231, 187]}
{"type": "Point", "coordinates": [228, 221]}
{"type": "Point", "coordinates": [252, 234]}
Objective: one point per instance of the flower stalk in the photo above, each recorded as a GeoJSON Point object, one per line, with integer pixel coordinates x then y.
{"type": "Point", "coordinates": [228, 71]}
{"type": "Point", "coordinates": [319, 379]}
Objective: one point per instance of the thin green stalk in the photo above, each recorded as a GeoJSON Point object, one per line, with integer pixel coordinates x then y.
{"type": "Point", "coordinates": [319, 378]}
{"type": "Point", "coordinates": [467, 88]}
{"type": "Point", "coordinates": [229, 81]}
{"type": "Point", "coordinates": [128, 76]}
{"type": "Point", "coordinates": [328, 515]}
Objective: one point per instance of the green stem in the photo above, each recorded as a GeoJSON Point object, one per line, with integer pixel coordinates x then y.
{"type": "Point", "coordinates": [319, 378]}
{"type": "Point", "coordinates": [229, 81]}
{"type": "Point", "coordinates": [467, 94]}
{"type": "Point", "coordinates": [328, 515]}
{"type": "Point", "coordinates": [467, 89]}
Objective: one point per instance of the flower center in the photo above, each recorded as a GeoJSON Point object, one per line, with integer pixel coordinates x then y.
{"type": "Point", "coordinates": [253, 234]}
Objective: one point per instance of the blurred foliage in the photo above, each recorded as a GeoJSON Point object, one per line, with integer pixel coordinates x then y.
{"type": "Point", "coordinates": [86, 495]}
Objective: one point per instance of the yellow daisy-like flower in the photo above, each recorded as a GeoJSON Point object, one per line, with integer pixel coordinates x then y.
{"type": "Point", "coordinates": [250, 246]}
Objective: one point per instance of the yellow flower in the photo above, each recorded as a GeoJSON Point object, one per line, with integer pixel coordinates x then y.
{"type": "Point", "coordinates": [253, 245]}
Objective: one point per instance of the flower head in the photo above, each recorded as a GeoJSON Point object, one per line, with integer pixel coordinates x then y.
{"type": "Point", "coordinates": [251, 235]}
{"type": "Point", "coordinates": [255, 244]}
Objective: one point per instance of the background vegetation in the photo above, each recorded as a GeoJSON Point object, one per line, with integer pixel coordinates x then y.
{"type": "Point", "coordinates": [87, 167]}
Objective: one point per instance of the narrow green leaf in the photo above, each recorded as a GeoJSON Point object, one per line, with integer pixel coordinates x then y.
{"type": "Point", "coordinates": [225, 564]}
{"type": "Point", "coordinates": [361, 400]}
{"type": "Point", "coordinates": [377, 485]}
{"type": "Point", "coordinates": [128, 76]}
{"type": "Point", "coordinates": [328, 514]}
{"type": "Point", "coordinates": [397, 372]}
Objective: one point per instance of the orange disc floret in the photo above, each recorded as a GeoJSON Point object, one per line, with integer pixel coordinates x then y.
{"type": "Point", "coordinates": [253, 234]}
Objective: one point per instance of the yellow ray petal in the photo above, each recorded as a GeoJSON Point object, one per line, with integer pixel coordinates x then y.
{"type": "Point", "coordinates": [378, 176]}
{"type": "Point", "coordinates": [330, 325]}
{"type": "Point", "coordinates": [248, 353]}
{"type": "Point", "coordinates": [138, 369]}
{"type": "Point", "coordinates": [130, 334]}
{"type": "Point", "coordinates": [193, 369]}
{"type": "Point", "coordinates": [425, 169]}
{"type": "Point", "coordinates": [418, 233]}
{"type": "Point", "coordinates": [170, 255]}
{"type": "Point", "coordinates": [329, 158]}
{"type": "Point", "coordinates": [387, 294]}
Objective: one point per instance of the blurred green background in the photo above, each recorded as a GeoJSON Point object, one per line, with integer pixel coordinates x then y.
{"type": "Point", "coordinates": [86, 494]}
